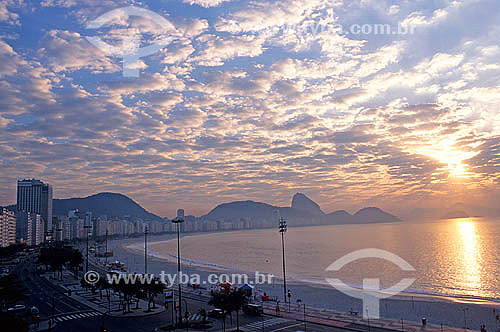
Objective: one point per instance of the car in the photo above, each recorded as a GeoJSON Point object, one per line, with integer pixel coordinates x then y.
{"type": "Point", "coordinates": [216, 313]}
{"type": "Point", "coordinates": [253, 309]}
{"type": "Point", "coordinates": [16, 308]}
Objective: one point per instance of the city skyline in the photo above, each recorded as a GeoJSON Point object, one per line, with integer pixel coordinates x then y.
{"type": "Point", "coordinates": [255, 100]}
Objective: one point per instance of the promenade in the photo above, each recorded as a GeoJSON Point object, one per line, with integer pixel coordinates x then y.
{"type": "Point", "coordinates": [351, 321]}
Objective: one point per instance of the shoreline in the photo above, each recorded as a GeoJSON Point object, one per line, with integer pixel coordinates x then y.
{"type": "Point", "coordinates": [438, 309]}
{"type": "Point", "coordinates": [137, 248]}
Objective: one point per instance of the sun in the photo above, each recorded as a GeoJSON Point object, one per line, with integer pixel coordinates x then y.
{"type": "Point", "coordinates": [451, 156]}
{"type": "Point", "coordinates": [457, 169]}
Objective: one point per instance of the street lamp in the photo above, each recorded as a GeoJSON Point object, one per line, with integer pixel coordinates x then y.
{"type": "Point", "coordinates": [282, 230]}
{"type": "Point", "coordinates": [106, 253]}
{"type": "Point", "coordinates": [177, 221]}
{"type": "Point", "coordinates": [465, 317]}
{"type": "Point", "coordinates": [86, 227]}
{"type": "Point", "coordinates": [146, 249]}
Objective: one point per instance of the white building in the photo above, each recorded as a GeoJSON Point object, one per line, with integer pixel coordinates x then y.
{"type": "Point", "coordinates": [7, 227]}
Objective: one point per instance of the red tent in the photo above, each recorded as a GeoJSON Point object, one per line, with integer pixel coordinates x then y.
{"type": "Point", "coordinates": [226, 284]}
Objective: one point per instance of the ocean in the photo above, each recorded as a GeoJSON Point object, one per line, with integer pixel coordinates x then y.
{"type": "Point", "coordinates": [457, 258]}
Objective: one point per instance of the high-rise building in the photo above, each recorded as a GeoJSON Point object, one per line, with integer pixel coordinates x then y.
{"type": "Point", "coordinates": [24, 226]}
{"type": "Point", "coordinates": [37, 230]}
{"type": "Point", "coordinates": [36, 197]}
{"type": "Point", "coordinates": [7, 227]}
{"type": "Point", "coordinates": [66, 228]}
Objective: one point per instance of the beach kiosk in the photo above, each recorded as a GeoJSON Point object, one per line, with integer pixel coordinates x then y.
{"type": "Point", "coordinates": [248, 289]}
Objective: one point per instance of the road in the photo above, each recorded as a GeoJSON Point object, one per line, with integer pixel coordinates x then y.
{"type": "Point", "coordinates": [73, 316]}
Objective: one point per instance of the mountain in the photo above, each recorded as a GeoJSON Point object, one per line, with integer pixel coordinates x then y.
{"type": "Point", "coordinates": [110, 204]}
{"type": "Point", "coordinates": [340, 217]}
{"type": "Point", "coordinates": [374, 215]}
{"type": "Point", "coordinates": [455, 214]}
{"type": "Point", "coordinates": [302, 212]}
{"type": "Point", "coordinates": [453, 211]}
{"type": "Point", "coordinates": [364, 216]}
{"type": "Point", "coordinates": [241, 209]}
{"type": "Point", "coordinates": [304, 203]}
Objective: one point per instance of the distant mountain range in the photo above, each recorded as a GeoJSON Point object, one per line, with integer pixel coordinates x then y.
{"type": "Point", "coordinates": [303, 211]}
{"type": "Point", "coordinates": [109, 204]}
{"type": "Point", "coordinates": [458, 210]}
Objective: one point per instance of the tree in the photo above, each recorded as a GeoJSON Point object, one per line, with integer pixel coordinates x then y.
{"type": "Point", "coordinates": [85, 284]}
{"type": "Point", "coordinates": [75, 260]}
{"type": "Point", "coordinates": [229, 301]}
{"type": "Point", "coordinates": [12, 290]}
{"type": "Point", "coordinates": [151, 290]}
{"type": "Point", "coordinates": [103, 285]}
{"type": "Point", "coordinates": [238, 298]}
{"type": "Point", "coordinates": [127, 290]}
{"type": "Point", "coordinates": [13, 323]}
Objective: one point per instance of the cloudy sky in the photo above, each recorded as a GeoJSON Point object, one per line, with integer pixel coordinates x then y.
{"type": "Point", "coordinates": [254, 100]}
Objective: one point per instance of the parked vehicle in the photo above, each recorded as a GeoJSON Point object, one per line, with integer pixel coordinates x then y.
{"type": "Point", "coordinates": [17, 308]}
{"type": "Point", "coordinates": [253, 309]}
{"type": "Point", "coordinates": [216, 313]}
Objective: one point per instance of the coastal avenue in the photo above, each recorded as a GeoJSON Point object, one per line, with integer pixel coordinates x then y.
{"type": "Point", "coordinates": [73, 316]}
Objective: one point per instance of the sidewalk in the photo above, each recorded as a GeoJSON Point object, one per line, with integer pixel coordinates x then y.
{"type": "Point", "coordinates": [353, 322]}
{"type": "Point", "coordinates": [43, 326]}
{"type": "Point", "coordinates": [112, 307]}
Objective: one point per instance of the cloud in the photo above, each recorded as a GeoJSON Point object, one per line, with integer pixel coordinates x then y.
{"type": "Point", "coordinates": [6, 13]}
{"type": "Point", "coordinates": [252, 100]}
{"type": "Point", "coordinates": [69, 51]}
{"type": "Point", "coordinates": [205, 3]}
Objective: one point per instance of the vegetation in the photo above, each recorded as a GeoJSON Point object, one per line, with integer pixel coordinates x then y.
{"type": "Point", "coordinates": [12, 290]}
{"type": "Point", "coordinates": [6, 252]}
{"type": "Point", "coordinates": [58, 257]}
{"type": "Point", "coordinates": [13, 323]}
{"type": "Point", "coordinates": [152, 290]}
{"type": "Point", "coordinates": [229, 300]}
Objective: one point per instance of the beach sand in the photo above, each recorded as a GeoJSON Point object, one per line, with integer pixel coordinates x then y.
{"type": "Point", "coordinates": [437, 310]}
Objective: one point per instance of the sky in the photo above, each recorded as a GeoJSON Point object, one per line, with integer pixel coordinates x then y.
{"type": "Point", "coordinates": [253, 100]}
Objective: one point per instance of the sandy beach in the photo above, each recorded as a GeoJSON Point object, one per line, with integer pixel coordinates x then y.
{"type": "Point", "coordinates": [438, 310]}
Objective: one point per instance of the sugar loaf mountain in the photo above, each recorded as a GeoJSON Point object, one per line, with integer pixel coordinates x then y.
{"type": "Point", "coordinates": [302, 212]}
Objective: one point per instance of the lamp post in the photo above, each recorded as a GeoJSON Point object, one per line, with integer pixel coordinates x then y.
{"type": "Point", "coordinates": [87, 227]}
{"type": "Point", "coordinates": [465, 317]}
{"type": "Point", "coordinates": [177, 221]}
{"type": "Point", "coordinates": [106, 252]}
{"type": "Point", "coordinates": [282, 230]}
{"type": "Point", "coordinates": [305, 326]}
{"type": "Point", "coordinates": [146, 250]}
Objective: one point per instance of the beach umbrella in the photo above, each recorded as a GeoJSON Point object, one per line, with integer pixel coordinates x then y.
{"type": "Point", "coordinates": [247, 287]}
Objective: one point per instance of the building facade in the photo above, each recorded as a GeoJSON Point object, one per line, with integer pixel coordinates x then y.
{"type": "Point", "coordinates": [7, 227]}
{"type": "Point", "coordinates": [36, 197]}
